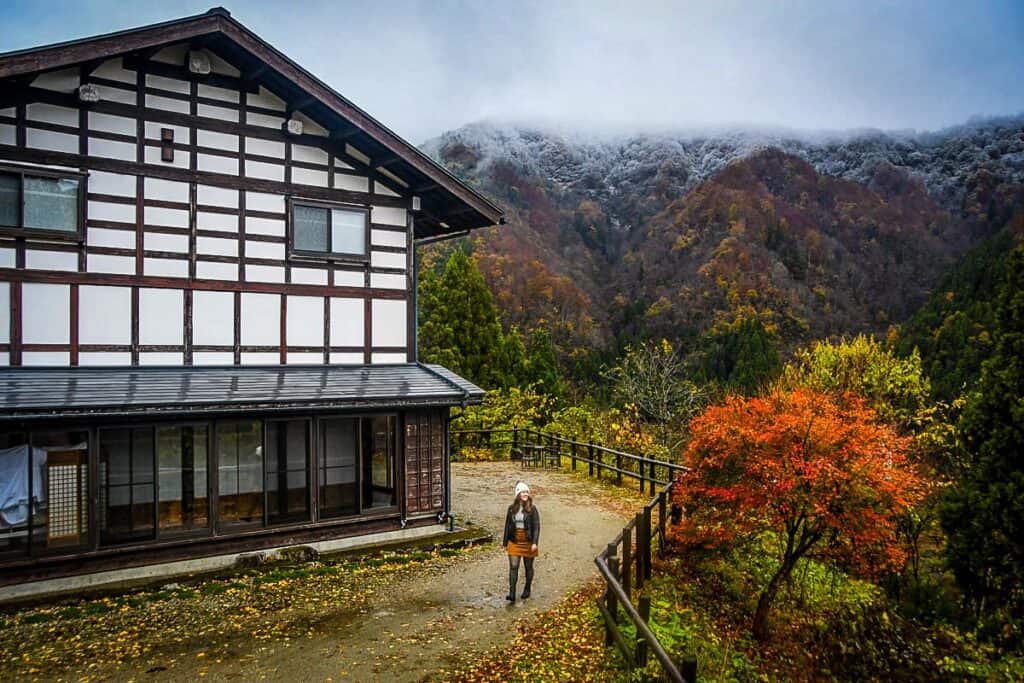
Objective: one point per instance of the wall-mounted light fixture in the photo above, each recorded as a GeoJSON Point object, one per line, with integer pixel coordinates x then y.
{"type": "Point", "coordinates": [88, 93]}
{"type": "Point", "coordinates": [199, 63]}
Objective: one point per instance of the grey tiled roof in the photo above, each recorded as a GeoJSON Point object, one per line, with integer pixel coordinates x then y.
{"type": "Point", "coordinates": [82, 391]}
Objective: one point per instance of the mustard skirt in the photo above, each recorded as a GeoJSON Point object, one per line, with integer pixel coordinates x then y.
{"type": "Point", "coordinates": [520, 546]}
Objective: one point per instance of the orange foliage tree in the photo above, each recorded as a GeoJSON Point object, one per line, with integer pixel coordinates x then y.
{"type": "Point", "coordinates": [829, 481]}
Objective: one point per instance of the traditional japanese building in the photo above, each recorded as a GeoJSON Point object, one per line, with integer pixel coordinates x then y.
{"type": "Point", "coordinates": [207, 256]}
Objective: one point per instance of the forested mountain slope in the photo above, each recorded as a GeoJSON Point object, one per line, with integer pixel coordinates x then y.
{"type": "Point", "coordinates": [611, 238]}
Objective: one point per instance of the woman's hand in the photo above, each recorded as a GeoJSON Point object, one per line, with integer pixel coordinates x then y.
{"type": "Point", "coordinates": [533, 548]}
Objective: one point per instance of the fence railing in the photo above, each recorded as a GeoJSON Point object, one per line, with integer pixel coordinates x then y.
{"type": "Point", "coordinates": [626, 563]}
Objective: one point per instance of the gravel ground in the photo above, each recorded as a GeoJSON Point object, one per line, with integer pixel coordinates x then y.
{"type": "Point", "coordinates": [420, 623]}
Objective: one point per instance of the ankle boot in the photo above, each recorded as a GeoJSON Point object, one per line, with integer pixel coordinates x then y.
{"type": "Point", "coordinates": [513, 579]}
{"type": "Point", "coordinates": [529, 582]}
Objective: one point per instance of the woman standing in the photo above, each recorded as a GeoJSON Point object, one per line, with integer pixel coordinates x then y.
{"type": "Point", "coordinates": [522, 533]}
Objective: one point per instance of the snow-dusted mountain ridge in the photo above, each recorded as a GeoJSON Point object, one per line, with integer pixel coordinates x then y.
{"type": "Point", "coordinates": [609, 164]}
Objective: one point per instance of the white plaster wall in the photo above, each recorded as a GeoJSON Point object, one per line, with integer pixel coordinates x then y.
{"type": "Point", "coordinates": [209, 138]}
{"type": "Point", "coordinates": [266, 99]}
{"type": "Point", "coordinates": [264, 226]}
{"type": "Point", "coordinates": [348, 278]}
{"type": "Point", "coordinates": [219, 113]}
{"type": "Point", "coordinates": [118, 184]}
{"type": "Point", "coordinates": [355, 183]}
{"type": "Point", "coordinates": [213, 358]}
{"type": "Point", "coordinates": [171, 218]}
{"type": "Point", "coordinates": [387, 259]}
{"type": "Point", "coordinates": [305, 321]}
{"type": "Point", "coordinates": [261, 359]}
{"type": "Point", "coordinates": [182, 135]}
{"type": "Point", "coordinates": [46, 313]}
{"type": "Point", "coordinates": [269, 250]}
{"type": "Point", "coordinates": [311, 155]}
{"type": "Point", "coordinates": [8, 134]}
{"type": "Point", "coordinates": [110, 123]}
{"type": "Point", "coordinates": [94, 358]}
{"type": "Point", "coordinates": [309, 276]}
{"type": "Point", "coordinates": [209, 270]}
{"type": "Point", "coordinates": [172, 84]}
{"type": "Point", "coordinates": [305, 176]}
{"type": "Point", "coordinates": [389, 318]}
{"type": "Point", "coordinates": [51, 113]}
{"type": "Point", "coordinates": [112, 149]}
{"type": "Point", "coordinates": [47, 139]}
{"type": "Point", "coordinates": [346, 358]}
{"type": "Point", "coordinates": [65, 80]}
{"type": "Point", "coordinates": [388, 215]}
{"type": "Point", "coordinates": [113, 69]}
{"type": "Point", "coordinates": [261, 319]}
{"type": "Point", "coordinates": [48, 358]}
{"type": "Point", "coordinates": [181, 159]}
{"type": "Point", "coordinates": [217, 164]}
{"type": "Point", "coordinates": [261, 201]}
{"type": "Point", "coordinates": [168, 191]}
{"type": "Point", "coordinates": [266, 148]}
{"type": "Point", "coordinates": [167, 104]}
{"type": "Point", "coordinates": [258, 169]}
{"type": "Point", "coordinates": [7, 258]}
{"type": "Point", "coordinates": [161, 358]}
{"type": "Point", "coordinates": [122, 95]}
{"type": "Point", "coordinates": [162, 267]}
{"type": "Point", "coordinates": [216, 221]}
{"type": "Point", "coordinates": [216, 196]}
{"type": "Point", "coordinates": [118, 239]}
{"type": "Point", "coordinates": [5, 305]}
{"type": "Point", "coordinates": [264, 273]}
{"type": "Point", "coordinates": [217, 247]}
{"type": "Point", "coordinates": [161, 316]}
{"type": "Point", "coordinates": [157, 241]}
{"type": "Point", "coordinates": [216, 93]}
{"type": "Point", "coordinates": [387, 281]}
{"type": "Point", "coordinates": [103, 263]}
{"type": "Point", "coordinates": [51, 260]}
{"type": "Point", "coordinates": [305, 358]}
{"type": "Point", "coordinates": [387, 238]}
{"type": "Point", "coordinates": [104, 315]}
{"type": "Point", "coordinates": [387, 358]}
{"type": "Point", "coordinates": [106, 211]}
{"type": "Point", "coordinates": [255, 119]}
{"type": "Point", "coordinates": [346, 323]}
{"type": "Point", "coordinates": [213, 319]}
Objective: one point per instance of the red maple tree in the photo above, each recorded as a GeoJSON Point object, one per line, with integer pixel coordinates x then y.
{"type": "Point", "coordinates": [829, 480]}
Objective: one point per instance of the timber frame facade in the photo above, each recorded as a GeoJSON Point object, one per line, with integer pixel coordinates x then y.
{"type": "Point", "coordinates": [208, 259]}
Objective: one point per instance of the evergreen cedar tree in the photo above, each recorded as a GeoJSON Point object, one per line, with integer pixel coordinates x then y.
{"type": "Point", "coordinates": [830, 481]}
{"type": "Point", "coordinates": [984, 515]}
{"type": "Point", "coordinates": [460, 328]}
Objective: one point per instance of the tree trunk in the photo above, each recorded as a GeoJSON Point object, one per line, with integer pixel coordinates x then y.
{"type": "Point", "coordinates": [764, 603]}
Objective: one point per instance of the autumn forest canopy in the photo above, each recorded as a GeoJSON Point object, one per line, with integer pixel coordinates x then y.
{"type": "Point", "coordinates": [828, 334]}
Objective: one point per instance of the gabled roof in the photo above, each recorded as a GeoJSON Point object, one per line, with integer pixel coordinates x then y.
{"type": "Point", "coordinates": [35, 393]}
{"type": "Point", "coordinates": [448, 205]}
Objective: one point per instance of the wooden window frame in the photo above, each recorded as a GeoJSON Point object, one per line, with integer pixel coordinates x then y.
{"type": "Point", "coordinates": [328, 255]}
{"type": "Point", "coordinates": [47, 233]}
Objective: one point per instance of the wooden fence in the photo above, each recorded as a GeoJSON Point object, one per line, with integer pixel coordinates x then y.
{"type": "Point", "coordinates": [625, 564]}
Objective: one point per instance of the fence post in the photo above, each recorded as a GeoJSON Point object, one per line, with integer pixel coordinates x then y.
{"type": "Point", "coordinates": [610, 603]}
{"type": "Point", "coordinates": [627, 559]}
{"type": "Point", "coordinates": [647, 542]}
{"type": "Point", "coordinates": [688, 668]}
{"type": "Point", "coordinates": [640, 470]}
{"type": "Point", "coordinates": [618, 467]}
{"type": "Point", "coordinates": [638, 522]}
{"type": "Point", "coordinates": [661, 523]}
{"type": "Point", "coordinates": [641, 642]}
{"type": "Point", "coordinates": [573, 455]}
{"type": "Point", "coordinates": [590, 465]}
{"type": "Point", "coordinates": [515, 441]}
{"type": "Point", "coordinates": [654, 484]}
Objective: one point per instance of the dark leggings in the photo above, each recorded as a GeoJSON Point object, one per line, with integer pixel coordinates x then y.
{"type": "Point", "coordinates": [513, 572]}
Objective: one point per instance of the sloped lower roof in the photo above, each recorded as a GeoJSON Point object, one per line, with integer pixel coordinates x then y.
{"type": "Point", "coordinates": [448, 205]}
{"type": "Point", "coordinates": [27, 393]}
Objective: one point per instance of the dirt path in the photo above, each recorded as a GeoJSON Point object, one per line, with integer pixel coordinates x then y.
{"type": "Point", "coordinates": [423, 624]}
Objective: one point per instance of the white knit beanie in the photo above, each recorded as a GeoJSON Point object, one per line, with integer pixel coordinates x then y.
{"type": "Point", "coordinates": [522, 486]}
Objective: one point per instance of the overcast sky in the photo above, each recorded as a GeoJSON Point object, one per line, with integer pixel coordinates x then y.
{"type": "Point", "coordinates": [424, 67]}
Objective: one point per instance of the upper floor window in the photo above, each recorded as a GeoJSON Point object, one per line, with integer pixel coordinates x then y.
{"type": "Point", "coordinates": [38, 202]}
{"type": "Point", "coordinates": [323, 229]}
